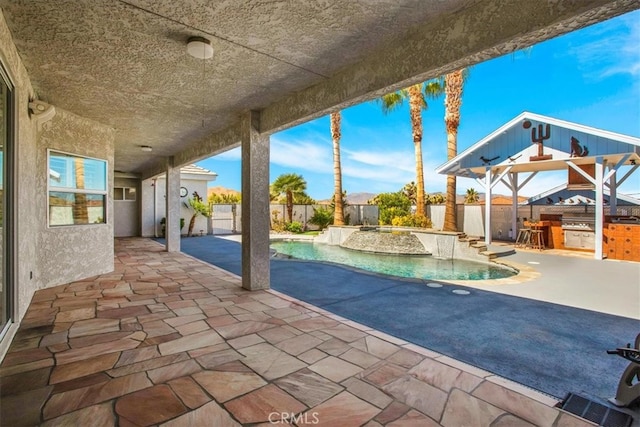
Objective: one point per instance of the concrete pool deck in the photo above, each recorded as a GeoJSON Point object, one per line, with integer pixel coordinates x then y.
{"type": "Point", "coordinates": [166, 339]}
{"type": "Point", "coordinates": [571, 278]}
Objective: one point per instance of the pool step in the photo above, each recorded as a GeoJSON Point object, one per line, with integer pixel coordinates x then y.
{"type": "Point", "coordinates": [479, 246]}
{"type": "Point", "coordinates": [489, 254]}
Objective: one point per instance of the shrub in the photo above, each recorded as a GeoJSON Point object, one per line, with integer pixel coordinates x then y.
{"type": "Point", "coordinates": [420, 221]}
{"type": "Point", "coordinates": [294, 227]}
{"type": "Point", "coordinates": [387, 214]}
{"type": "Point", "coordinates": [278, 225]}
{"type": "Point", "coordinates": [322, 217]}
{"type": "Point", "coordinates": [391, 205]}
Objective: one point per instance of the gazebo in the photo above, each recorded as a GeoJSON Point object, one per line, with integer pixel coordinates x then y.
{"type": "Point", "coordinates": [532, 143]}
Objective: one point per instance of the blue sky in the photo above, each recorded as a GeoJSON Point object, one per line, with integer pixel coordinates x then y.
{"type": "Point", "coordinates": [590, 77]}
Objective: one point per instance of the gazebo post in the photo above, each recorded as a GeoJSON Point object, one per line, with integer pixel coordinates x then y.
{"type": "Point", "coordinates": [599, 184]}
{"type": "Point", "coordinates": [613, 194]}
{"type": "Point", "coordinates": [513, 178]}
{"type": "Point", "coordinates": [611, 176]}
{"type": "Point", "coordinates": [487, 206]}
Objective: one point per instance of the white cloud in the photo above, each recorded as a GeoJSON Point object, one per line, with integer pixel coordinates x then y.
{"type": "Point", "coordinates": [611, 48]}
{"type": "Point", "coordinates": [402, 160]}
{"type": "Point", "coordinates": [303, 155]}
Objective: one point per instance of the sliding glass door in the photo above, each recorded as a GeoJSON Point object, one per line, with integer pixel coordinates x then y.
{"type": "Point", "coordinates": [6, 230]}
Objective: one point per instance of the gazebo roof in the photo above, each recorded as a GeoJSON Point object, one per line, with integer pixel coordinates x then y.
{"type": "Point", "coordinates": [512, 145]}
{"type": "Point", "coordinates": [564, 196]}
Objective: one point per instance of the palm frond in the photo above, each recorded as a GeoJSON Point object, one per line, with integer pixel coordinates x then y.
{"type": "Point", "coordinates": [391, 101]}
{"type": "Point", "coordinates": [433, 88]}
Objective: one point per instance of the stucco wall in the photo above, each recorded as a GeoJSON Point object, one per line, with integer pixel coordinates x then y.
{"type": "Point", "coordinates": [61, 248]}
{"type": "Point", "coordinates": [48, 257]}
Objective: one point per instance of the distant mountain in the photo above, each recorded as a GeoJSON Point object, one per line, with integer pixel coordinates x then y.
{"type": "Point", "coordinates": [221, 191]}
{"type": "Point", "coordinates": [363, 198]}
{"type": "Point", "coordinates": [352, 199]}
{"type": "Point", "coordinates": [359, 198]}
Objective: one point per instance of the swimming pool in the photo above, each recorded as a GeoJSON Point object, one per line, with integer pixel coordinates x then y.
{"type": "Point", "coordinates": [421, 267]}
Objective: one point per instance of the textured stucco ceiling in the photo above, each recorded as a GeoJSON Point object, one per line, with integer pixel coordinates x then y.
{"type": "Point", "coordinates": [124, 63]}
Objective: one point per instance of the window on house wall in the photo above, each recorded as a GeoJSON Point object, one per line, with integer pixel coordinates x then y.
{"type": "Point", "coordinates": [124, 193]}
{"type": "Point", "coordinates": [77, 189]}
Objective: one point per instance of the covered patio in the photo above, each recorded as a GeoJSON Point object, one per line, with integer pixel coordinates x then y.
{"type": "Point", "coordinates": [532, 143]}
{"type": "Point", "coordinates": [168, 340]}
{"type": "Point", "coordinates": [134, 333]}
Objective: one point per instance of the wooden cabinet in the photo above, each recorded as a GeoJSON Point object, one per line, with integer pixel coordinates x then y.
{"type": "Point", "coordinates": [622, 241]}
{"type": "Point", "coordinates": [556, 238]}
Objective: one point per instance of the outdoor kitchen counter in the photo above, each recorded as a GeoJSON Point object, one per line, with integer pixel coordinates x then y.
{"type": "Point", "coordinates": [622, 241]}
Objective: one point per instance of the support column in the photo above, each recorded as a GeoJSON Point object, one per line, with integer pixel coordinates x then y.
{"type": "Point", "coordinates": [487, 206]}
{"type": "Point", "coordinates": [613, 194]}
{"type": "Point", "coordinates": [514, 205]}
{"type": "Point", "coordinates": [255, 203]}
{"type": "Point", "coordinates": [599, 184]}
{"type": "Point", "coordinates": [172, 207]}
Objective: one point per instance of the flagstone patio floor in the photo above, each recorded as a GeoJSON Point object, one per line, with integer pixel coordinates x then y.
{"type": "Point", "coordinates": [166, 339]}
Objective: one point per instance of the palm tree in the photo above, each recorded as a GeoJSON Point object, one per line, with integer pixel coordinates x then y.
{"type": "Point", "coordinates": [338, 212]}
{"type": "Point", "coordinates": [453, 83]}
{"type": "Point", "coordinates": [472, 196]}
{"type": "Point", "coordinates": [416, 95]}
{"type": "Point", "coordinates": [80, 207]}
{"type": "Point", "coordinates": [289, 185]}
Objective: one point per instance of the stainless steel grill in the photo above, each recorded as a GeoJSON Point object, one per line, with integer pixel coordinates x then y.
{"type": "Point", "coordinates": [579, 232]}
{"type": "Point", "coordinates": [579, 223]}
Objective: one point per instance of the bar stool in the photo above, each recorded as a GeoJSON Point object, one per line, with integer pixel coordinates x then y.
{"type": "Point", "coordinates": [524, 238]}
{"type": "Point", "coordinates": [537, 239]}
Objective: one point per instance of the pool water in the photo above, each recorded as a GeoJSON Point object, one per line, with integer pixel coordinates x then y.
{"type": "Point", "coordinates": [421, 267]}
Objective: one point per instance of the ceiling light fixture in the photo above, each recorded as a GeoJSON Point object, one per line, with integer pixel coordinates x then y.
{"type": "Point", "coordinates": [199, 48]}
{"type": "Point", "coordinates": [146, 148]}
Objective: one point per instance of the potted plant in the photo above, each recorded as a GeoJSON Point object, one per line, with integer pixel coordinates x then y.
{"type": "Point", "coordinates": [163, 223]}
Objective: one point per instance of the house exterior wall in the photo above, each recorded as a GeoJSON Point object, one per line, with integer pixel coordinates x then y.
{"type": "Point", "coordinates": [127, 212]}
{"type": "Point", "coordinates": [160, 212]}
{"type": "Point", "coordinates": [60, 248]}
{"type": "Point", "coordinates": [47, 257]}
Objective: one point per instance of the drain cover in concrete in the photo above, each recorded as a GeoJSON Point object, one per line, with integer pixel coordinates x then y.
{"type": "Point", "coordinates": [434, 285]}
{"type": "Point", "coordinates": [460, 292]}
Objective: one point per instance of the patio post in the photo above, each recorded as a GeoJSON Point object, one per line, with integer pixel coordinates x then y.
{"type": "Point", "coordinates": [613, 194]}
{"type": "Point", "coordinates": [487, 206]}
{"type": "Point", "coordinates": [513, 178]}
{"type": "Point", "coordinates": [172, 207]}
{"type": "Point", "coordinates": [599, 184]}
{"type": "Point", "coordinates": [255, 203]}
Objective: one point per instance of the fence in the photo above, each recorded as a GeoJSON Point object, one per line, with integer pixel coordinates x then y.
{"type": "Point", "coordinates": [227, 218]}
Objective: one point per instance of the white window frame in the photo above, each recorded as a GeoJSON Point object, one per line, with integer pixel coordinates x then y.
{"type": "Point", "coordinates": [52, 188]}
{"type": "Point", "coordinates": [124, 199]}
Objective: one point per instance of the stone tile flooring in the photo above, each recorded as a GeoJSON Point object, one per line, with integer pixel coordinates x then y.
{"type": "Point", "coordinates": [168, 340]}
